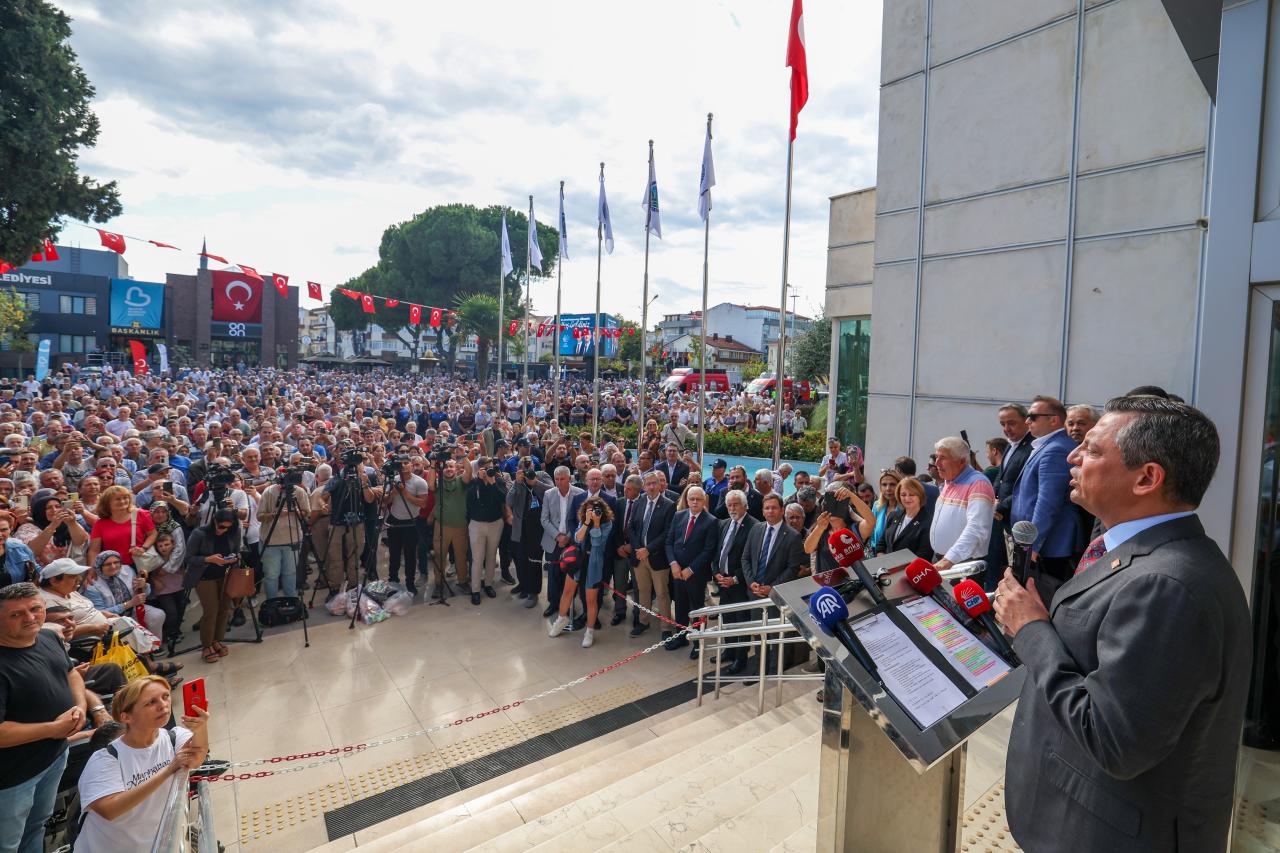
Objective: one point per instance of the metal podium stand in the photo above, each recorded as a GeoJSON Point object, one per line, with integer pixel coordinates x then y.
{"type": "Point", "coordinates": [886, 786]}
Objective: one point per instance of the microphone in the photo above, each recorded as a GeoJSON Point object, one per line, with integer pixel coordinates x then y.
{"type": "Point", "coordinates": [1024, 536]}
{"type": "Point", "coordinates": [970, 596]}
{"type": "Point", "coordinates": [828, 609]}
{"type": "Point", "coordinates": [847, 551]}
{"type": "Point", "coordinates": [924, 579]}
{"type": "Point", "coordinates": [839, 580]}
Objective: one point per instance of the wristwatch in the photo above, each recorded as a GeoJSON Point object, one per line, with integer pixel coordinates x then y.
{"type": "Point", "coordinates": [96, 708]}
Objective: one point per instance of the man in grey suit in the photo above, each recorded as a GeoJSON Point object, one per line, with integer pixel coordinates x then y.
{"type": "Point", "coordinates": [1128, 726]}
{"type": "Point", "coordinates": [558, 526]}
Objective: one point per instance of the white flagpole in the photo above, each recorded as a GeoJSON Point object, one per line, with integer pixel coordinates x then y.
{"type": "Point", "coordinates": [595, 323]}
{"type": "Point", "coordinates": [780, 382]}
{"type": "Point", "coordinates": [528, 276]}
{"type": "Point", "coordinates": [555, 405]}
{"type": "Point", "coordinates": [644, 320]}
{"type": "Point", "coordinates": [502, 301]}
{"type": "Point", "coordinates": [702, 381]}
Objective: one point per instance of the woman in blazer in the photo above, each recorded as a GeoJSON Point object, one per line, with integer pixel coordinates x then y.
{"type": "Point", "coordinates": [907, 527]}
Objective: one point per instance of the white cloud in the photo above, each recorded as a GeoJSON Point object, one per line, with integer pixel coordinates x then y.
{"type": "Point", "coordinates": [292, 134]}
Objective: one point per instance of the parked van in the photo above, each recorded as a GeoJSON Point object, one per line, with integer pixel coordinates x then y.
{"type": "Point", "coordinates": [765, 383]}
{"type": "Point", "coordinates": [687, 379]}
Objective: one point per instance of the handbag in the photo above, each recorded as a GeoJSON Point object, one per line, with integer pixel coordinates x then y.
{"type": "Point", "coordinates": [140, 639]}
{"type": "Point", "coordinates": [239, 583]}
{"type": "Point", "coordinates": [148, 561]}
{"type": "Point", "coordinates": [121, 655]}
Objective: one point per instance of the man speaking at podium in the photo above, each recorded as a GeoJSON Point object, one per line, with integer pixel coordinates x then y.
{"type": "Point", "coordinates": [1127, 730]}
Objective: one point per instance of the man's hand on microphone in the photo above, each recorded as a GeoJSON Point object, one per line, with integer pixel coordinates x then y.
{"type": "Point", "coordinates": [1016, 605]}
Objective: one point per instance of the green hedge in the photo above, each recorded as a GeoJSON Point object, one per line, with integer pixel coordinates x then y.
{"type": "Point", "coordinates": [809, 448]}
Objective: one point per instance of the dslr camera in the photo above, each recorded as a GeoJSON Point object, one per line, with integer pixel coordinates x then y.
{"type": "Point", "coordinates": [290, 477]}
{"type": "Point", "coordinates": [219, 476]}
{"type": "Point", "coordinates": [352, 457]}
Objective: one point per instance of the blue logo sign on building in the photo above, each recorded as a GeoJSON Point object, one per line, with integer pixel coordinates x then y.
{"type": "Point", "coordinates": [137, 308]}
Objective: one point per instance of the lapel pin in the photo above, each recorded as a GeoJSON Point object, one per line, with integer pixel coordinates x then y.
{"type": "Point", "coordinates": [1115, 564]}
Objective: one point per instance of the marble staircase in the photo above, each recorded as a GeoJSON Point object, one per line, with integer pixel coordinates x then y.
{"type": "Point", "coordinates": [694, 779]}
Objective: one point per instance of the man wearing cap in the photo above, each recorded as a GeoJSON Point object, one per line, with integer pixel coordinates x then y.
{"type": "Point", "coordinates": [42, 703]}
{"type": "Point", "coordinates": [716, 485]}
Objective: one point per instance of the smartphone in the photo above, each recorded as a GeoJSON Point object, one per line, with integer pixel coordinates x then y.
{"type": "Point", "coordinates": [20, 502]}
{"type": "Point", "coordinates": [72, 497]}
{"type": "Point", "coordinates": [193, 697]}
{"type": "Point", "coordinates": [835, 506]}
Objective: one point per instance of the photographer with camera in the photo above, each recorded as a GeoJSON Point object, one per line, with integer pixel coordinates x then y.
{"type": "Point", "coordinates": [284, 504]}
{"type": "Point", "coordinates": [353, 493]}
{"type": "Point", "coordinates": [406, 495]}
{"type": "Point", "coordinates": [487, 511]}
{"type": "Point", "coordinates": [214, 492]}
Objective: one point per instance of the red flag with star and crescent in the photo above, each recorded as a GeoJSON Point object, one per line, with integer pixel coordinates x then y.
{"type": "Point", "coordinates": [139, 351]}
{"type": "Point", "coordinates": [345, 292]}
{"type": "Point", "coordinates": [250, 271]}
{"type": "Point", "coordinates": [435, 318]}
{"type": "Point", "coordinates": [415, 314]}
{"type": "Point", "coordinates": [366, 302]}
{"type": "Point", "coordinates": [282, 284]}
{"type": "Point", "coordinates": [313, 290]}
{"type": "Point", "coordinates": [392, 303]}
{"type": "Point", "coordinates": [114, 242]}
{"type": "Point", "coordinates": [237, 297]}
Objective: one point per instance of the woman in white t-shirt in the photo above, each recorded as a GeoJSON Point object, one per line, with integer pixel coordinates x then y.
{"type": "Point", "coordinates": [124, 786]}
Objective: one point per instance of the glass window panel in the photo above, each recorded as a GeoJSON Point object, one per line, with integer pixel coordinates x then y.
{"type": "Point", "coordinates": [849, 390]}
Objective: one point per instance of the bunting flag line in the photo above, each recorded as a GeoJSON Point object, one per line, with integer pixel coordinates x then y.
{"type": "Point", "coordinates": [313, 290]}
{"type": "Point", "coordinates": [435, 318]}
{"type": "Point", "coordinates": [158, 244]}
{"type": "Point", "coordinates": [392, 303]}
{"type": "Point", "coordinates": [366, 302]}
{"type": "Point", "coordinates": [415, 315]}
{"type": "Point", "coordinates": [281, 282]}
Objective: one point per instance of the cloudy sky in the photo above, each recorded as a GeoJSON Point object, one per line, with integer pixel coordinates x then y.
{"type": "Point", "coordinates": [291, 134]}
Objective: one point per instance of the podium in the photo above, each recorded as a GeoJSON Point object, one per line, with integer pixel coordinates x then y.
{"type": "Point", "coordinates": [893, 746]}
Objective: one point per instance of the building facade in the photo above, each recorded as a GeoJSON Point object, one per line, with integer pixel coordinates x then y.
{"type": "Point", "coordinates": [756, 326]}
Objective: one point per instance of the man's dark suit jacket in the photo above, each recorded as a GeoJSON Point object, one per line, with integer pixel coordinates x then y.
{"type": "Point", "coordinates": [1010, 468]}
{"type": "Point", "coordinates": [740, 590]}
{"type": "Point", "coordinates": [755, 505]}
{"type": "Point", "coordinates": [697, 551]}
{"type": "Point", "coordinates": [1126, 733]}
{"type": "Point", "coordinates": [677, 480]}
{"type": "Point", "coordinates": [656, 541]}
{"type": "Point", "coordinates": [786, 555]}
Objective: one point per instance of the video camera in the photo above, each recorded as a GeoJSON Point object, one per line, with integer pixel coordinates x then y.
{"type": "Point", "coordinates": [352, 457]}
{"type": "Point", "coordinates": [442, 452]}
{"type": "Point", "coordinates": [291, 476]}
{"type": "Point", "coordinates": [391, 468]}
{"type": "Point", "coordinates": [219, 476]}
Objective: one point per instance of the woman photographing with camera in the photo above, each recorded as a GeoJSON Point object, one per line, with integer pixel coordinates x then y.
{"type": "Point", "coordinates": [210, 551]}
{"type": "Point", "coordinates": [595, 523]}
{"type": "Point", "coordinates": [123, 786]}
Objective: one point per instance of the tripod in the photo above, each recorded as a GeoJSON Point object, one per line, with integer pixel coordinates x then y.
{"type": "Point", "coordinates": [288, 502]}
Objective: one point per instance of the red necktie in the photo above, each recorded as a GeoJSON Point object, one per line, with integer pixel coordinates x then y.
{"type": "Point", "coordinates": [1095, 550]}
{"type": "Point", "coordinates": [689, 529]}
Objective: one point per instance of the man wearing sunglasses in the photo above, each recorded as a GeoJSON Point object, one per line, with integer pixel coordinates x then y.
{"type": "Point", "coordinates": [1042, 492]}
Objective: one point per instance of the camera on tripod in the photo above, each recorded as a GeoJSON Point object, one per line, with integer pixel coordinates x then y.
{"type": "Point", "coordinates": [352, 458]}
{"type": "Point", "coordinates": [442, 453]}
{"type": "Point", "coordinates": [391, 468]}
{"type": "Point", "coordinates": [292, 476]}
{"type": "Point", "coordinates": [219, 476]}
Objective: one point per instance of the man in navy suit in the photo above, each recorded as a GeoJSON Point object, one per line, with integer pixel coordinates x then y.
{"type": "Point", "coordinates": [691, 549]}
{"type": "Point", "coordinates": [1042, 493]}
{"type": "Point", "coordinates": [649, 562]}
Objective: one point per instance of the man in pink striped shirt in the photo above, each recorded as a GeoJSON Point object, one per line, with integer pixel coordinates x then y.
{"type": "Point", "coordinates": [962, 515]}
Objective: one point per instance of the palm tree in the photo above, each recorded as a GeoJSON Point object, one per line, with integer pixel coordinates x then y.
{"type": "Point", "coordinates": [478, 315]}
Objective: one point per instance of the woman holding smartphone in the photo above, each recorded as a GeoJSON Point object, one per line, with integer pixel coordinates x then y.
{"type": "Point", "coordinates": [124, 786]}
{"type": "Point", "coordinates": [211, 549]}
{"type": "Point", "coordinates": [595, 523]}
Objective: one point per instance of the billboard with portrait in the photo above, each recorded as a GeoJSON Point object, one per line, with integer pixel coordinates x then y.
{"type": "Point", "coordinates": [579, 345]}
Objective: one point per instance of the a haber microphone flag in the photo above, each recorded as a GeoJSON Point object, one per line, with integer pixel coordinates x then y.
{"type": "Point", "coordinates": [139, 350]}
{"type": "Point", "coordinates": [282, 283]}
{"type": "Point", "coordinates": [114, 242]}
{"type": "Point", "coordinates": [313, 290]}
{"type": "Point", "coordinates": [797, 63]}
{"type": "Point", "coordinates": [237, 297]}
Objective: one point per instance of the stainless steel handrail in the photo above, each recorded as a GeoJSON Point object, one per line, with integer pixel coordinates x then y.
{"type": "Point", "coordinates": [171, 834]}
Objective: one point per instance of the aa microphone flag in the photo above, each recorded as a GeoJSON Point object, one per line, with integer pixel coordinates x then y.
{"type": "Point", "coordinates": [708, 177]}
{"type": "Point", "coordinates": [602, 216]}
{"type": "Point", "coordinates": [797, 63]}
{"type": "Point", "coordinates": [507, 266]}
{"type": "Point", "coordinates": [535, 252]}
{"type": "Point", "coordinates": [564, 231]}
{"type": "Point", "coordinates": [650, 202]}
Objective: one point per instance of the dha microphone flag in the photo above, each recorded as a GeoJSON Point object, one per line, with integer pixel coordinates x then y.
{"type": "Point", "coordinates": [507, 266]}
{"type": "Point", "coordinates": [708, 178]}
{"type": "Point", "coordinates": [564, 231]}
{"type": "Point", "coordinates": [602, 216]}
{"type": "Point", "coordinates": [535, 252]}
{"type": "Point", "coordinates": [649, 204]}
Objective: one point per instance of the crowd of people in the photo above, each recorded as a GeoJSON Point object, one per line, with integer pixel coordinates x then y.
{"type": "Point", "coordinates": [122, 495]}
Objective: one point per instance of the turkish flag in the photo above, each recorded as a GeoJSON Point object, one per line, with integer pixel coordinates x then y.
{"type": "Point", "coordinates": [353, 294]}
{"type": "Point", "coordinates": [798, 64]}
{"type": "Point", "coordinates": [237, 297]}
{"type": "Point", "coordinates": [392, 303]}
{"type": "Point", "coordinates": [415, 314]}
{"type": "Point", "coordinates": [217, 258]}
{"type": "Point", "coordinates": [114, 242]}
{"type": "Point", "coordinates": [165, 246]}
{"type": "Point", "coordinates": [435, 318]}
{"type": "Point", "coordinates": [139, 350]}
{"type": "Point", "coordinates": [313, 290]}
{"type": "Point", "coordinates": [250, 271]}
{"type": "Point", "coordinates": [282, 284]}
{"type": "Point", "coordinates": [366, 302]}
{"type": "Point", "coordinates": [515, 324]}
{"type": "Point", "coordinates": [4, 268]}
{"type": "Point", "coordinates": [47, 252]}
